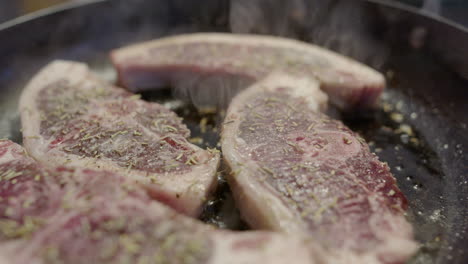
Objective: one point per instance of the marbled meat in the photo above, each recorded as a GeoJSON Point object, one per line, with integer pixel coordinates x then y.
{"type": "Point", "coordinates": [82, 216]}
{"type": "Point", "coordinates": [71, 117]}
{"type": "Point", "coordinates": [191, 60]}
{"type": "Point", "coordinates": [298, 171]}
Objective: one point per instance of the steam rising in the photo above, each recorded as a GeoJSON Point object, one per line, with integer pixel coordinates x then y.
{"type": "Point", "coordinates": [337, 25]}
{"type": "Point", "coordinates": [210, 91]}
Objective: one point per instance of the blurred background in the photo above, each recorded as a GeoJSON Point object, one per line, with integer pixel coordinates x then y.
{"type": "Point", "coordinates": [455, 10]}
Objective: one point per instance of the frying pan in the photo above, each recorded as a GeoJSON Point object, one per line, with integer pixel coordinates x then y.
{"type": "Point", "coordinates": [420, 129]}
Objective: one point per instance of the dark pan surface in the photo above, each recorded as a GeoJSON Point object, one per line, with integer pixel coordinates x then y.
{"type": "Point", "coordinates": [420, 130]}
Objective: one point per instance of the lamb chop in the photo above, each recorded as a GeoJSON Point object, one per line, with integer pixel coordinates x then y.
{"type": "Point", "coordinates": [294, 169]}
{"type": "Point", "coordinates": [297, 170]}
{"type": "Point", "coordinates": [195, 61]}
{"type": "Point", "coordinates": [71, 117]}
{"type": "Point", "coordinates": [80, 216]}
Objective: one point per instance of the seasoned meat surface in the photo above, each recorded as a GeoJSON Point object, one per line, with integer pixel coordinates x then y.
{"type": "Point", "coordinates": [297, 170]}
{"type": "Point", "coordinates": [293, 169]}
{"type": "Point", "coordinates": [192, 60]}
{"type": "Point", "coordinates": [82, 216]}
{"type": "Point", "coordinates": [70, 117]}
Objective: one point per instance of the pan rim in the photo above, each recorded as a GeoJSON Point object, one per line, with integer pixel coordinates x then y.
{"type": "Point", "coordinates": [74, 4]}
{"type": "Point", "coordinates": [420, 12]}
{"type": "Point", "coordinates": [45, 12]}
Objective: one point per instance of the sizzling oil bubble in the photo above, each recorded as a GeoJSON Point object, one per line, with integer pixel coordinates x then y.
{"type": "Point", "coordinates": [436, 215]}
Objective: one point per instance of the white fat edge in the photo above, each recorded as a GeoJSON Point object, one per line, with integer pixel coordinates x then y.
{"type": "Point", "coordinates": [30, 116]}
{"type": "Point", "coordinates": [339, 62]}
{"type": "Point", "coordinates": [106, 73]}
{"type": "Point", "coordinates": [284, 218]}
{"type": "Point", "coordinates": [8, 156]}
{"type": "Point", "coordinates": [279, 216]}
{"type": "Point", "coordinates": [306, 88]}
{"type": "Point", "coordinates": [396, 242]}
{"type": "Point", "coordinates": [275, 248]}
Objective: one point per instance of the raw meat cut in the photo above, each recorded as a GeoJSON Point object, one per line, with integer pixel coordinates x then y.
{"type": "Point", "coordinates": [23, 191]}
{"type": "Point", "coordinates": [216, 59]}
{"type": "Point", "coordinates": [81, 216]}
{"type": "Point", "coordinates": [71, 117]}
{"type": "Point", "coordinates": [294, 169]}
{"type": "Point", "coordinates": [298, 171]}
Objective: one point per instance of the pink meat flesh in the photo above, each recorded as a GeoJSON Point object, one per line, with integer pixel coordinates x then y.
{"type": "Point", "coordinates": [70, 117]}
{"type": "Point", "coordinates": [81, 216]}
{"type": "Point", "coordinates": [190, 61]}
{"type": "Point", "coordinates": [298, 171]}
